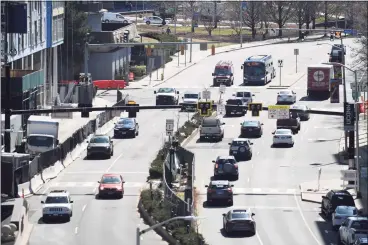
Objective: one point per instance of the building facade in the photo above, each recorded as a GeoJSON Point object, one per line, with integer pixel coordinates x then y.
{"type": "Point", "coordinates": [36, 52]}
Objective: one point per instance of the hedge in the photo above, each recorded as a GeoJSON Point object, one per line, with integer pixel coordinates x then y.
{"type": "Point", "coordinates": [156, 169]}
{"type": "Point", "coordinates": [138, 71]}
{"type": "Point", "coordinates": [160, 210]}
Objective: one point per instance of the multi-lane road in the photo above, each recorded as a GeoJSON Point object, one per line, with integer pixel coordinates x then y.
{"type": "Point", "coordinates": [268, 183]}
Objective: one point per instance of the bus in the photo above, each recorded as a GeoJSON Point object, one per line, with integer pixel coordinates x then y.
{"type": "Point", "coordinates": [258, 69]}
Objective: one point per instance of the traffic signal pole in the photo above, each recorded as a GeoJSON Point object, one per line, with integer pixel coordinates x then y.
{"type": "Point", "coordinates": [7, 126]}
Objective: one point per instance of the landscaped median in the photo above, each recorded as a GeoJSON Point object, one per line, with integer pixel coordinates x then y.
{"type": "Point", "coordinates": [152, 204]}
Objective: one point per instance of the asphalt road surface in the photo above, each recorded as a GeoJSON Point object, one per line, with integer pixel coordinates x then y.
{"type": "Point", "coordinates": [268, 183]}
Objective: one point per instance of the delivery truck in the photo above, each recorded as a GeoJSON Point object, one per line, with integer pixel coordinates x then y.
{"type": "Point", "coordinates": [16, 132]}
{"type": "Point", "coordinates": [319, 77]}
{"type": "Point", "coordinates": [42, 135]}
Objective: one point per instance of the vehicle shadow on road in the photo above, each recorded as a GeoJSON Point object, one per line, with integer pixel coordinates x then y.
{"type": "Point", "coordinates": [328, 235]}
{"type": "Point", "coordinates": [236, 234]}
{"type": "Point", "coordinates": [205, 204]}
{"type": "Point", "coordinates": [55, 221]}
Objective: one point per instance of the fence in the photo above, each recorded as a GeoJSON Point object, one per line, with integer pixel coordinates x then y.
{"type": "Point", "coordinates": [49, 158]}
{"type": "Point", "coordinates": [181, 207]}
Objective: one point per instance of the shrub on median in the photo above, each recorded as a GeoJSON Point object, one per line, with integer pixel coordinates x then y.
{"type": "Point", "coordinates": [160, 210]}
{"type": "Point", "coordinates": [138, 71]}
{"type": "Point", "coordinates": [156, 169]}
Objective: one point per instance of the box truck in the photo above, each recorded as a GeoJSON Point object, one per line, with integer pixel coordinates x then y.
{"type": "Point", "coordinates": [319, 77]}
{"type": "Point", "coordinates": [42, 135]}
{"type": "Point", "coordinates": [16, 132]}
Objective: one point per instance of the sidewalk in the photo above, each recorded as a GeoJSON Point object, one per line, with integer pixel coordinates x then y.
{"type": "Point", "coordinates": [172, 69]}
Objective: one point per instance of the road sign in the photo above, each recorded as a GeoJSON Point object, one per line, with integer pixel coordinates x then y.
{"type": "Point", "coordinates": [220, 108]}
{"type": "Point", "coordinates": [296, 51]}
{"type": "Point", "coordinates": [222, 88]}
{"type": "Point", "coordinates": [205, 108]}
{"type": "Point", "coordinates": [362, 87]}
{"type": "Point", "coordinates": [206, 94]}
{"type": "Point", "coordinates": [169, 126]}
{"type": "Point", "coordinates": [278, 112]}
{"type": "Point", "coordinates": [255, 108]}
{"type": "Point", "coordinates": [280, 63]}
{"type": "Point", "coordinates": [349, 116]}
{"type": "Point", "coordinates": [62, 115]}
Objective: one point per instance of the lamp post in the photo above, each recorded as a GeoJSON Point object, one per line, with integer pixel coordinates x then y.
{"type": "Point", "coordinates": [344, 79]}
{"type": "Point", "coordinates": [140, 232]}
{"type": "Point", "coordinates": [356, 164]}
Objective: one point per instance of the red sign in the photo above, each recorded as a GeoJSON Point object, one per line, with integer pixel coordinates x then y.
{"type": "Point", "coordinates": [335, 91]}
{"type": "Point", "coordinates": [253, 64]}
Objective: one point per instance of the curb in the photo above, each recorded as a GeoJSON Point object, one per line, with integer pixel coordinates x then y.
{"type": "Point", "coordinates": [159, 230]}
{"type": "Point", "coordinates": [190, 137]}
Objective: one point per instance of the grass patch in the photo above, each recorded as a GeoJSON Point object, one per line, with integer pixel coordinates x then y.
{"type": "Point", "coordinates": [197, 30]}
{"type": "Point", "coordinates": [160, 210]}
{"type": "Point", "coordinates": [149, 40]}
{"type": "Point", "coordinates": [156, 167]}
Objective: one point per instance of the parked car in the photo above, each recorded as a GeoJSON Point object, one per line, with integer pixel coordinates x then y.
{"type": "Point", "coordinates": [154, 20]}
{"type": "Point", "coordinates": [352, 229]}
{"type": "Point", "coordinates": [341, 213]}
{"type": "Point", "coordinates": [335, 198]}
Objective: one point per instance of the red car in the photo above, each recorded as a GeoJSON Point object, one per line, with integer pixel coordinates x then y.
{"type": "Point", "coordinates": [111, 185]}
{"type": "Point", "coordinates": [109, 84]}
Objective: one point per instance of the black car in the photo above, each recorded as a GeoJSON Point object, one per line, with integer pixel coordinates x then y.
{"type": "Point", "coordinates": [226, 167]}
{"type": "Point", "coordinates": [126, 127]}
{"type": "Point", "coordinates": [304, 115]}
{"type": "Point", "coordinates": [241, 149]}
{"type": "Point", "coordinates": [219, 191]}
{"type": "Point", "coordinates": [239, 220]}
{"type": "Point", "coordinates": [251, 129]}
{"type": "Point", "coordinates": [100, 145]}
{"type": "Point", "coordinates": [335, 198]}
{"type": "Point", "coordinates": [235, 106]}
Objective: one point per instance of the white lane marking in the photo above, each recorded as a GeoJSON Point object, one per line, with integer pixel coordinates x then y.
{"type": "Point", "coordinates": [248, 179]}
{"type": "Point", "coordinates": [113, 163]}
{"type": "Point", "coordinates": [88, 184]}
{"type": "Point", "coordinates": [76, 230]}
{"type": "Point", "coordinates": [252, 165]}
{"type": "Point", "coordinates": [84, 207]}
{"type": "Point", "coordinates": [305, 221]}
{"type": "Point", "coordinates": [257, 153]}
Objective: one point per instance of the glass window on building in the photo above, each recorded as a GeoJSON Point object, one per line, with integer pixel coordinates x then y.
{"type": "Point", "coordinates": [54, 29]}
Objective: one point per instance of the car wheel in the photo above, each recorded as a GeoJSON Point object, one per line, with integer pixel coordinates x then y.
{"type": "Point", "coordinates": [68, 218]}
{"type": "Point", "coordinates": [44, 219]}
{"type": "Point", "coordinates": [112, 153]}
{"type": "Point", "coordinates": [137, 133]}
{"type": "Point", "coordinates": [125, 22]}
{"type": "Point", "coordinates": [107, 21]}
{"type": "Point", "coordinates": [201, 138]}
{"type": "Point", "coordinates": [134, 135]}
{"type": "Point", "coordinates": [148, 22]}
{"type": "Point", "coordinates": [231, 203]}
{"type": "Point", "coordinates": [108, 156]}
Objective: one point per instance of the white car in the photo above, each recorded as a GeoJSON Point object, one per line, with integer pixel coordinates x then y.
{"type": "Point", "coordinates": [286, 96]}
{"type": "Point", "coordinates": [352, 229]}
{"type": "Point", "coordinates": [283, 137]}
{"type": "Point", "coordinates": [154, 20]}
{"type": "Point", "coordinates": [58, 204]}
{"type": "Point", "coordinates": [341, 213]}
{"type": "Point", "coordinates": [108, 17]}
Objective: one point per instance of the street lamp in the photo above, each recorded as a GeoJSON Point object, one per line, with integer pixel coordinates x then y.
{"type": "Point", "coordinates": [356, 119]}
{"type": "Point", "coordinates": [141, 232]}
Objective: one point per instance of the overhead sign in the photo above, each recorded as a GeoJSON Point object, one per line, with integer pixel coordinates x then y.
{"type": "Point", "coordinates": [278, 112]}
{"type": "Point", "coordinates": [169, 126]}
{"type": "Point", "coordinates": [62, 115]}
{"type": "Point", "coordinates": [335, 91]}
{"type": "Point", "coordinates": [222, 88]}
{"type": "Point", "coordinates": [349, 116]}
{"type": "Point", "coordinates": [255, 108]}
{"type": "Point", "coordinates": [296, 51]}
{"type": "Point", "coordinates": [205, 108]}
{"type": "Point", "coordinates": [206, 94]}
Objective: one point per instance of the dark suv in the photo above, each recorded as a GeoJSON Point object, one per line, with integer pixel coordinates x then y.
{"type": "Point", "coordinates": [335, 198]}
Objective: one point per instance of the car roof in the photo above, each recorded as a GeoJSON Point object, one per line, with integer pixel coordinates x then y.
{"type": "Point", "coordinates": [220, 182]}
{"type": "Point", "coordinates": [190, 92]}
{"type": "Point", "coordinates": [58, 193]}
{"type": "Point", "coordinates": [357, 218]}
{"type": "Point", "coordinates": [240, 139]}
{"type": "Point", "coordinates": [346, 207]}
{"type": "Point", "coordinates": [283, 130]}
{"type": "Point", "coordinates": [100, 135]}
{"type": "Point", "coordinates": [110, 175]}
{"type": "Point", "coordinates": [240, 210]}
{"type": "Point", "coordinates": [251, 121]}
{"type": "Point", "coordinates": [225, 157]}
{"type": "Point", "coordinates": [286, 90]}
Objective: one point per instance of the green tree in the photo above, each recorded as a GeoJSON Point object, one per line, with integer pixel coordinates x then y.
{"type": "Point", "coordinates": [75, 34]}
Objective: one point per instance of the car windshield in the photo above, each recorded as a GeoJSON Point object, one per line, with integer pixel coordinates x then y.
{"type": "Point", "coordinates": [240, 215]}
{"type": "Point", "coordinates": [283, 132]}
{"type": "Point", "coordinates": [243, 94]}
{"type": "Point", "coordinates": [166, 90]}
{"type": "Point", "coordinates": [221, 71]}
{"type": "Point", "coordinates": [234, 102]}
{"type": "Point", "coordinates": [110, 180]}
{"type": "Point", "coordinates": [239, 143]}
{"type": "Point", "coordinates": [102, 139]}
{"type": "Point", "coordinates": [126, 122]}
{"type": "Point", "coordinates": [219, 186]}
{"type": "Point", "coordinates": [250, 124]}
{"type": "Point", "coordinates": [360, 225]}
{"type": "Point", "coordinates": [339, 200]}
{"type": "Point", "coordinates": [349, 211]}
{"type": "Point", "coordinates": [56, 200]}
{"type": "Point", "coordinates": [40, 141]}
{"type": "Point", "coordinates": [209, 123]}
{"type": "Point", "coordinates": [285, 92]}
{"type": "Point", "coordinates": [191, 96]}
{"type": "Point", "coordinates": [223, 161]}
{"type": "Point", "coordinates": [258, 70]}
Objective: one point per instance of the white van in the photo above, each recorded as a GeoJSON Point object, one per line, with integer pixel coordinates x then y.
{"type": "Point", "coordinates": [109, 17]}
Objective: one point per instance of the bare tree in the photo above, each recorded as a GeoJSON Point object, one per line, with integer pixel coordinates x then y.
{"type": "Point", "coordinates": [300, 10]}
{"type": "Point", "coordinates": [210, 13]}
{"type": "Point", "coordinates": [252, 16]}
{"type": "Point", "coordinates": [361, 25]}
{"type": "Point", "coordinates": [233, 10]}
{"type": "Point", "coordinates": [311, 11]}
{"type": "Point", "coordinates": [279, 12]}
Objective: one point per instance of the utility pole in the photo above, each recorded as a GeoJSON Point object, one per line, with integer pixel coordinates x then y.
{"type": "Point", "coordinates": [351, 135]}
{"type": "Point", "coordinates": [7, 125]}
{"type": "Point", "coordinates": [241, 24]}
{"type": "Point", "coordinates": [175, 18]}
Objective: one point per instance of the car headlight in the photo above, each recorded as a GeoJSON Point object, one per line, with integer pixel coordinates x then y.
{"type": "Point", "coordinates": [131, 129]}
{"type": "Point", "coordinates": [262, 78]}
{"type": "Point", "coordinates": [101, 188]}
{"type": "Point", "coordinates": [88, 147]}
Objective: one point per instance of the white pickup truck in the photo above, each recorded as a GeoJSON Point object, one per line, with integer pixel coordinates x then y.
{"type": "Point", "coordinates": [352, 229]}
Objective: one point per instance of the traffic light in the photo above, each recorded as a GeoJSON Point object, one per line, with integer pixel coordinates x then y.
{"type": "Point", "coordinates": [126, 36]}
{"type": "Point", "coordinates": [205, 108]}
{"type": "Point", "coordinates": [255, 108]}
{"type": "Point", "coordinates": [338, 34]}
{"type": "Point", "coordinates": [132, 112]}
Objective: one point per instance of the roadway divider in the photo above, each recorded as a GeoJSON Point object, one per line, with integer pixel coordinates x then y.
{"type": "Point", "coordinates": [49, 164]}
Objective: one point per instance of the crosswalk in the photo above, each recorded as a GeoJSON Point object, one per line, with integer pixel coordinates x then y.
{"type": "Point", "coordinates": [260, 191]}
{"type": "Point", "coordinates": [91, 184]}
